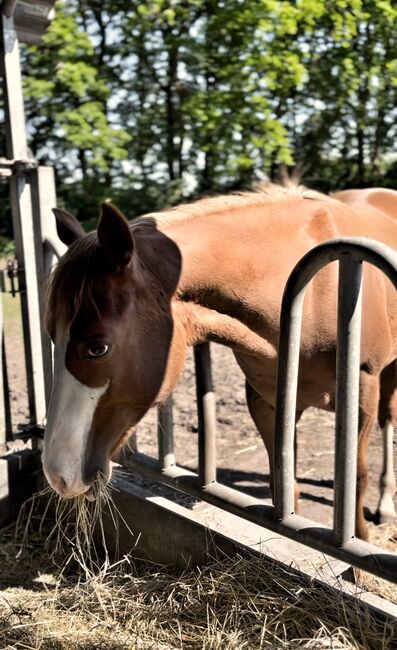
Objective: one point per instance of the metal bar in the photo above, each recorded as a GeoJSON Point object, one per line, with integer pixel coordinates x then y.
{"type": "Point", "coordinates": [366, 556]}
{"type": "Point", "coordinates": [286, 392]}
{"type": "Point", "coordinates": [358, 249]}
{"type": "Point", "coordinates": [347, 397]}
{"type": "Point", "coordinates": [206, 411]}
{"type": "Point", "coordinates": [165, 435]}
{"type": "Point", "coordinates": [355, 551]}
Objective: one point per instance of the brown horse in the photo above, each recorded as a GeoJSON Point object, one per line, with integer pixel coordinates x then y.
{"type": "Point", "coordinates": [125, 302]}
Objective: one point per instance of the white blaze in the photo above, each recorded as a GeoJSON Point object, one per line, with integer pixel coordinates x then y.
{"type": "Point", "coordinates": [69, 420]}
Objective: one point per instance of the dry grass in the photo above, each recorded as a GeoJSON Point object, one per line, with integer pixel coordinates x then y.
{"type": "Point", "coordinates": [384, 536]}
{"type": "Point", "coordinates": [62, 594]}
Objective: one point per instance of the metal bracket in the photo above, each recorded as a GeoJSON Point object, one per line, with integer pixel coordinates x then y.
{"type": "Point", "coordinates": [17, 167]}
{"type": "Point", "coordinates": [29, 431]}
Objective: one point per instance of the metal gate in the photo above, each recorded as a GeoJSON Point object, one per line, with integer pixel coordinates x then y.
{"type": "Point", "coordinates": [340, 541]}
{"type": "Point", "coordinates": [32, 194]}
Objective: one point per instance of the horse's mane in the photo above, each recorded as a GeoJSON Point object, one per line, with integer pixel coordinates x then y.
{"type": "Point", "coordinates": [70, 282]}
{"type": "Point", "coordinates": [264, 192]}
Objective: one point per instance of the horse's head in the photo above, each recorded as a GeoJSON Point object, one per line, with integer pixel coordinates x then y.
{"type": "Point", "coordinates": [115, 354]}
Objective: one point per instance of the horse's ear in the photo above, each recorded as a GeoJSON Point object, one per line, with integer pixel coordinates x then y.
{"type": "Point", "coordinates": [68, 228]}
{"type": "Point", "coordinates": [115, 236]}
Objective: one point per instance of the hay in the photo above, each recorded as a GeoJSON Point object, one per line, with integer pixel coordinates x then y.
{"type": "Point", "coordinates": [384, 536]}
{"type": "Point", "coordinates": [69, 597]}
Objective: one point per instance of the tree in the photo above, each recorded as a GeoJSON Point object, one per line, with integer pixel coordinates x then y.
{"type": "Point", "coordinates": [151, 103]}
{"type": "Point", "coordinates": [66, 102]}
{"type": "Point", "coordinates": [350, 98]}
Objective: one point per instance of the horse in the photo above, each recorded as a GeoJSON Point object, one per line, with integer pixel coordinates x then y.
{"type": "Point", "coordinates": [126, 301]}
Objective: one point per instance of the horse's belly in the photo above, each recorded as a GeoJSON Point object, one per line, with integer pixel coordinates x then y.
{"type": "Point", "coordinates": [316, 382]}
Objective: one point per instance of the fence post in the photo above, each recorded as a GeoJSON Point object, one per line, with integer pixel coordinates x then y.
{"type": "Point", "coordinates": [346, 397]}
{"type": "Point", "coordinates": [22, 218]}
{"type": "Point", "coordinates": [206, 415]}
{"type": "Point", "coordinates": [165, 435]}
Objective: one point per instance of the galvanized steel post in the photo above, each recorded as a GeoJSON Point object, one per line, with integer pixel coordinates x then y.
{"type": "Point", "coordinates": [347, 397]}
{"type": "Point", "coordinates": [165, 435]}
{"type": "Point", "coordinates": [206, 415]}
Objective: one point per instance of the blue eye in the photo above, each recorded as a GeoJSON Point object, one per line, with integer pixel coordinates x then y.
{"type": "Point", "coordinates": [96, 350]}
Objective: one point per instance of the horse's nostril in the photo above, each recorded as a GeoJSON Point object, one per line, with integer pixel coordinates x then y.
{"type": "Point", "coordinates": [59, 484]}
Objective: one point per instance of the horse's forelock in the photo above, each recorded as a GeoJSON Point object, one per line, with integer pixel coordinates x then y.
{"type": "Point", "coordinates": [68, 284]}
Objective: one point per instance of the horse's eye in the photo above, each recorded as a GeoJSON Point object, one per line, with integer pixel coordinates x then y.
{"type": "Point", "coordinates": [96, 350]}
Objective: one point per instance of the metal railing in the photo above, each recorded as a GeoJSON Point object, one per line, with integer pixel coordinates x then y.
{"type": "Point", "coordinates": [339, 541]}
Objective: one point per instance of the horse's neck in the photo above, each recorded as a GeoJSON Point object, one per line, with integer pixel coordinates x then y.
{"type": "Point", "coordinates": [204, 263]}
{"type": "Point", "coordinates": [200, 259]}
{"type": "Point", "coordinates": [214, 257]}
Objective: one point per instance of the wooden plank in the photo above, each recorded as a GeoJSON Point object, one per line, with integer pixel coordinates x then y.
{"type": "Point", "coordinates": [18, 481]}
{"type": "Point", "coordinates": [17, 147]}
{"type": "Point", "coordinates": [53, 247]}
{"type": "Point", "coordinates": [5, 411]}
{"type": "Point", "coordinates": [42, 184]}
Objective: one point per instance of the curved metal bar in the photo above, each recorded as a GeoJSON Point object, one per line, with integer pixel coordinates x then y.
{"type": "Point", "coordinates": [351, 252]}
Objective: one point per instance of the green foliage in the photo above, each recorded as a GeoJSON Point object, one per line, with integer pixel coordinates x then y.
{"type": "Point", "coordinates": [149, 103]}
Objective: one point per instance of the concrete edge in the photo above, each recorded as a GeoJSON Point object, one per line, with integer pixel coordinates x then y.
{"type": "Point", "coordinates": [18, 481]}
{"type": "Point", "coordinates": [156, 529]}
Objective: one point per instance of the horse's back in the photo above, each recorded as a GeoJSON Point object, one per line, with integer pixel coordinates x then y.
{"type": "Point", "coordinates": [381, 198]}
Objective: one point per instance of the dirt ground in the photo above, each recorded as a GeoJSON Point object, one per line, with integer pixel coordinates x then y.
{"type": "Point", "coordinates": [242, 459]}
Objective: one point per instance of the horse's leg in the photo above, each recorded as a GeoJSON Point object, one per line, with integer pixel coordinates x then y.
{"type": "Point", "coordinates": [263, 417]}
{"type": "Point", "coordinates": [262, 414]}
{"type": "Point", "coordinates": [387, 417]}
{"type": "Point", "coordinates": [369, 400]}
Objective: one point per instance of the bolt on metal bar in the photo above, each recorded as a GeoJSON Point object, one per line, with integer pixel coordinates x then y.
{"type": "Point", "coordinates": [206, 411]}
{"type": "Point", "coordinates": [347, 397]}
{"type": "Point", "coordinates": [165, 435]}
